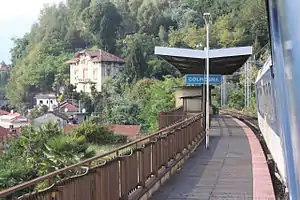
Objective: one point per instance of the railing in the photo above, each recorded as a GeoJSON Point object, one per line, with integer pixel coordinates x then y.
{"type": "Point", "coordinates": [171, 117]}
{"type": "Point", "coordinates": [122, 173]}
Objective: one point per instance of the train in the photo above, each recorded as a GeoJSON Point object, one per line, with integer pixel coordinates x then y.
{"type": "Point", "coordinates": [278, 92]}
{"type": "Point", "coordinates": [267, 117]}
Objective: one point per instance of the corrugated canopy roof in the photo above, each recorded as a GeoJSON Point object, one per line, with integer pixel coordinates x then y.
{"type": "Point", "coordinates": [189, 61]}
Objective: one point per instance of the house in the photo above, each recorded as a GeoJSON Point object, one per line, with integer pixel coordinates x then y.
{"type": "Point", "coordinates": [67, 107]}
{"type": "Point", "coordinates": [13, 119]}
{"type": "Point", "coordinates": [7, 133]}
{"type": "Point", "coordinates": [53, 117]}
{"type": "Point", "coordinates": [72, 110]}
{"type": "Point", "coordinates": [130, 131]}
{"type": "Point", "coordinates": [46, 99]}
{"type": "Point", "coordinates": [3, 112]}
{"type": "Point", "coordinates": [91, 67]}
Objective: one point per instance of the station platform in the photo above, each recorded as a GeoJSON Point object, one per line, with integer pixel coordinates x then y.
{"type": "Point", "coordinates": [234, 167]}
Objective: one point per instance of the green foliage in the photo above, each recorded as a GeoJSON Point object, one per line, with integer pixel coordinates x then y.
{"type": "Point", "coordinates": [62, 151]}
{"type": "Point", "coordinates": [160, 98]}
{"type": "Point", "coordinates": [14, 171]}
{"type": "Point", "coordinates": [38, 111]}
{"type": "Point", "coordinates": [103, 20]}
{"type": "Point", "coordinates": [139, 103]}
{"type": "Point", "coordinates": [96, 133]}
{"type": "Point", "coordinates": [38, 57]}
{"type": "Point", "coordinates": [38, 151]}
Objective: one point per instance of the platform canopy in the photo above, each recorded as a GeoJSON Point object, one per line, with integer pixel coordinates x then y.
{"type": "Point", "coordinates": [189, 61]}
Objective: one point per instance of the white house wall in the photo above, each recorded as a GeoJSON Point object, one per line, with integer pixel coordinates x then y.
{"type": "Point", "coordinates": [50, 103]}
{"type": "Point", "coordinates": [94, 72]}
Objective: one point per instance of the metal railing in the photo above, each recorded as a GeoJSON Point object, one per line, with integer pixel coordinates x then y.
{"type": "Point", "coordinates": [118, 174]}
{"type": "Point", "coordinates": [167, 118]}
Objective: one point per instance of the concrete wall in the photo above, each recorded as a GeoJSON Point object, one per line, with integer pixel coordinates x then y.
{"type": "Point", "coordinates": [190, 104]}
{"type": "Point", "coordinates": [49, 102]}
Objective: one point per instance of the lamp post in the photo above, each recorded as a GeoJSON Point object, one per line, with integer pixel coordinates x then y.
{"type": "Point", "coordinates": [207, 20]}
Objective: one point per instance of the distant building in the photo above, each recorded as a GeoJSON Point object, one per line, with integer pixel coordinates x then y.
{"type": "Point", "coordinates": [3, 112]}
{"type": "Point", "coordinates": [13, 120]}
{"type": "Point", "coordinates": [67, 107]}
{"type": "Point", "coordinates": [53, 117]}
{"type": "Point", "coordinates": [91, 67]}
{"type": "Point", "coordinates": [48, 100]}
{"type": "Point", "coordinates": [71, 109]}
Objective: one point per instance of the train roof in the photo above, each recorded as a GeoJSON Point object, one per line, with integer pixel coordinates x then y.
{"type": "Point", "coordinates": [264, 69]}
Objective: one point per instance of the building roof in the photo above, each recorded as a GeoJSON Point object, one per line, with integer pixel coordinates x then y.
{"type": "Point", "coordinates": [97, 56]}
{"type": "Point", "coordinates": [126, 130]}
{"type": "Point", "coordinates": [3, 133]}
{"type": "Point", "coordinates": [71, 107]}
{"type": "Point", "coordinates": [189, 61]}
{"type": "Point", "coordinates": [45, 96]}
{"type": "Point", "coordinates": [14, 114]}
{"type": "Point", "coordinates": [59, 114]}
{"type": "Point", "coordinates": [4, 68]}
{"type": "Point", "coordinates": [3, 112]}
{"type": "Point", "coordinates": [70, 127]}
{"type": "Point", "coordinates": [13, 118]}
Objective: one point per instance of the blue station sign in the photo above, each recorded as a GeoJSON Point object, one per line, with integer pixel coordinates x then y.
{"type": "Point", "coordinates": [200, 79]}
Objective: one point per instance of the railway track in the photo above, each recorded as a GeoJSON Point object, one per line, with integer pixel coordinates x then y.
{"type": "Point", "coordinates": [252, 122]}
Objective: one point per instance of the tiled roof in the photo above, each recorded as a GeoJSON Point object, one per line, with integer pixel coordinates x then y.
{"type": "Point", "coordinates": [69, 106]}
{"type": "Point", "coordinates": [97, 56]}
{"type": "Point", "coordinates": [3, 132]}
{"type": "Point", "coordinates": [15, 114]}
{"type": "Point", "coordinates": [3, 112]}
{"type": "Point", "coordinates": [45, 96]}
{"type": "Point", "coordinates": [70, 127]}
{"type": "Point", "coordinates": [4, 68]}
{"type": "Point", "coordinates": [126, 130]}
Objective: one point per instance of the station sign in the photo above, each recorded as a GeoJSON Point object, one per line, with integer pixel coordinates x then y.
{"type": "Point", "coordinates": [200, 79]}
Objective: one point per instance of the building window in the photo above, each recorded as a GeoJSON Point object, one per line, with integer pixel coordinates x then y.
{"type": "Point", "coordinates": [95, 74]}
{"type": "Point", "coordinates": [41, 101]}
{"type": "Point", "coordinates": [51, 101]}
{"type": "Point", "coordinates": [108, 71]}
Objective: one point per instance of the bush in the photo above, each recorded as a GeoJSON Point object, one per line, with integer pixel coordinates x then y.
{"type": "Point", "coordinates": [97, 134]}
{"type": "Point", "coordinates": [14, 171]}
{"type": "Point", "coordinates": [62, 151]}
{"type": "Point", "coordinates": [39, 151]}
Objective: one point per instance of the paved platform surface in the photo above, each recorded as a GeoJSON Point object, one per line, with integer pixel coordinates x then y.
{"type": "Point", "coordinates": [225, 171]}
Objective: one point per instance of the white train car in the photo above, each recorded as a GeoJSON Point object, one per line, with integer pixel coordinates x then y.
{"type": "Point", "coordinates": [267, 120]}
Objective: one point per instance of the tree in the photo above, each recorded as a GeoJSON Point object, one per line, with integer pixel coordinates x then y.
{"type": "Point", "coordinates": [2, 63]}
{"type": "Point", "coordinates": [104, 20]}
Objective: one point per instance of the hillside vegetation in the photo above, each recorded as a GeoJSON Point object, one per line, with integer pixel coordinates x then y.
{"type": "Point", "coordinates": [39, 57]}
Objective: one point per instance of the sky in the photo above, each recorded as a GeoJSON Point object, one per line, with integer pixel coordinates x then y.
{"type": "Point", "coordinates": [16, 18]}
